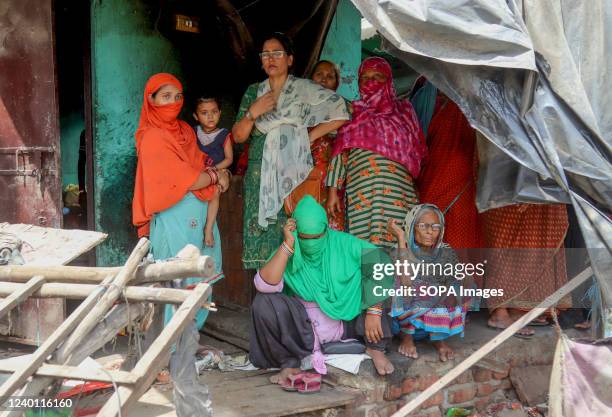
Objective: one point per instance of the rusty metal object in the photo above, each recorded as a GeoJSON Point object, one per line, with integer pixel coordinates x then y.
{"type": "Point", "coordinates": [29, 135]}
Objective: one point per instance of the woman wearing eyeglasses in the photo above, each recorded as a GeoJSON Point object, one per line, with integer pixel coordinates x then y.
{"type": "Point", "coordinates": [432, 310]}
{"type": "Point", "coordinates": [274, 117]}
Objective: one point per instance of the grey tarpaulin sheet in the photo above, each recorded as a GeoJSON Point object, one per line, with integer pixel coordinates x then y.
{"type": "Point", "coordinates": [531, 77]}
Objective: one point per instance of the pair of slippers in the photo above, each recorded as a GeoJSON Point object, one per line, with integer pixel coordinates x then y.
{"type": "Point", "coordinates": [303, 383]}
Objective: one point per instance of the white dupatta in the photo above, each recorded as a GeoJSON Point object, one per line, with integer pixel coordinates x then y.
{"type": "Point", "coordinates": [287, 159]}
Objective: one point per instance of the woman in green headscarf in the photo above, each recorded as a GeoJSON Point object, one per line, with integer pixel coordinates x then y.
{"type": "Point", "coordinates": [317, 288]}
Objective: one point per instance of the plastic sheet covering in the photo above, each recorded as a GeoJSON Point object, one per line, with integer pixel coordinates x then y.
{"type": "Point", "coordinates": [191, 398]}
{"type": "Point", "coordinates": [531, 76]}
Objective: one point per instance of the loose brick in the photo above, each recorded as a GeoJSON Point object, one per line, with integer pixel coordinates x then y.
{"type": "Point", "coordinates": [436, 400]}
{"type": "Point", "coordinates": [410, 385]}
{"type": "Point", "coordinates": [486, 389]}
{"type": "Point", "coordinates": [482, 375]}
{"type": "Point", "coordinates": [384, 411]}
{"type": "Point", "coordinates": [426, 381]}
{"type": "Point", "coordinates": [502, 375]}
{"type": "Point", "coordinates": [464, 378]}
{"type": "Point", "coordinates": [461, 393]}
{"type": "Point", "coordinates": [482, 403]}
{"type": "Point", "coordinates": [430, 412]}
{"type": "Point", "coordinates": [393, 392]}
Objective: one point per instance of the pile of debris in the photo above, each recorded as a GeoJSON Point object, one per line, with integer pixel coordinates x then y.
{"type": "Point", "coordinates": [113, 299]}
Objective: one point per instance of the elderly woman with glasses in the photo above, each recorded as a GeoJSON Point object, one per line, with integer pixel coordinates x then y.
{"type": "Point", "coordinates": [279, 117]}
{"type": "Point", "coordinates": [435, 309]}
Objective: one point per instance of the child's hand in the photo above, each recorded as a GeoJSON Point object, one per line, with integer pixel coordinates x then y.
{"type": "Point", "coordinates": [223, 181]}
{"type": "Point", "coordinates": [263, 104]}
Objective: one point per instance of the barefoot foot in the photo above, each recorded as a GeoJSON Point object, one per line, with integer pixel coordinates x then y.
{"type": "Point", "coordinates": [282, 376]}
{"type": "Point", "coordinates": [407, 347]}
{"type": "Point", "coordinates": [502, 324]}
{"type": "Point", "coordinates": [381, 363]}
{"type": "Point", "coordinates": [444, 351]}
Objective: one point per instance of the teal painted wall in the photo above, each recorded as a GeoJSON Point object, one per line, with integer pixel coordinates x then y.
{"type": "Point", "coordinates": [126, 50]}
{"type": "Point", "coordinates": [71, 127]}
{"type": "Point", "coordinates": [343, 46]}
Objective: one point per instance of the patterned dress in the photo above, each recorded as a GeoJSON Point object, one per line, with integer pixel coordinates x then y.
{"type": "Point", "coordinates": [377, 189]}
{"type": "Point", "coordinates": [532, 266]}
{"type": "Point", "coordinates": [258, 243]}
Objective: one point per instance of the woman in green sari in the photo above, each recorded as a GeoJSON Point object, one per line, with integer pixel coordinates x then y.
{"type": "Point", "coordinates": [279, 117]}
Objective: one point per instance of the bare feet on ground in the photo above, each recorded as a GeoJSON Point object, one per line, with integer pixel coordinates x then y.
{"type": "Point", "coordinates": [407, 347]}
{"type": "Point", "coordinates": [282, 376]}
{"type": "Point", "coordinates": [444, 351]}
{"type": "Point", "coordinates": [209, 240]}
{"type": "Point", "coordinates": [500, 319]}
{"type": "Point", "coordinates": [381, 363]}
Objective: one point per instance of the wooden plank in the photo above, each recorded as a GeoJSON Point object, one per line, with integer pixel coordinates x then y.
{"type": "Point", "coordinates": [18, 378]}
{"type": "Point", "coordinates": [271, 401]}
{"type": "Point", "coordinates": [45, 246]}
{"type": "Point", "coordinates": [232, 340]}
{"type": "Point", "coordinates": [151, 362]}
{"type": "Point", "coordinates": [471, 360]}
{"type": "Point", "coordinates": [16, 297]}
{"type": "Point", "coordinates": [201, 266]}
{"type": "Point", "coordinates": [74, 372]}
{"type": "Point", "coordinates": [106, 302]}
{"type": "Point", "coordinates": [81, 291]}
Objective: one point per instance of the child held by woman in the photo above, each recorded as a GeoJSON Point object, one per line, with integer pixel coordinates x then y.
{"type": "Point", "coordinates": [215, 142]}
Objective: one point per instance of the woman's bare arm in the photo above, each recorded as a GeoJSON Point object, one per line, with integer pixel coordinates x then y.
{"type": "Point", "coordinates": [202, 181]}
{"type": "Point", "coordinates": [272, 272]}
{"type": "Point", "coordinates": [324, 128]}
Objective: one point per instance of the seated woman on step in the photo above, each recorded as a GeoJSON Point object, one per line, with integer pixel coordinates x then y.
{"type": "Point", "coordinates": [426, 313]}
{"type": "Point", "coordinates": [311, 292]}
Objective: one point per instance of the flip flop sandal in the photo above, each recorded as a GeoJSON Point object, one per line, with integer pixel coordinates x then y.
{"type": "Point", "coordinates": [311, 384]}
{"type": "Point", "coordinates": [292, 382]}
{"type": "Point", "coordinates": [291, 386]}
{"type": "Point", "coordinates": [516, 334]}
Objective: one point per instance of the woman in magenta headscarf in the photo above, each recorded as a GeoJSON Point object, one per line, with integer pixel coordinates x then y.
{"type": "Point", "coordinates": [376, 156]}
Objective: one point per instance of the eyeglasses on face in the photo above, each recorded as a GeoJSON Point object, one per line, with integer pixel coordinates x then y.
{"type": "Point", "coordinates": [272, 54]}
{"type": "Point", "coordinates": [435, 227]}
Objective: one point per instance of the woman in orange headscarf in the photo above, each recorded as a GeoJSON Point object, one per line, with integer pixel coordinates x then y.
{"type": "Point", "coordinates": [173, 184]}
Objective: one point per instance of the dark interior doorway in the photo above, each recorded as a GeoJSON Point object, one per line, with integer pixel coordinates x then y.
{"type": "Point", "coordinates": [72, 39]}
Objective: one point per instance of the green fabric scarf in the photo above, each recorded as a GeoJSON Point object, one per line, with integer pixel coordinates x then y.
{"type": "Point", "coordinates": [335, 270]}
